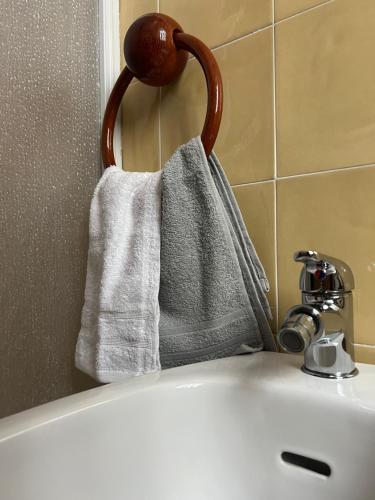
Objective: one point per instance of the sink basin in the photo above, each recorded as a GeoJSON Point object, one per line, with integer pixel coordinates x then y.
{"type": "Point", "coordinates": [250, 427]}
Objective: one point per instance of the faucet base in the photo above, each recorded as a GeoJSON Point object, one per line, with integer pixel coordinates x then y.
{"type": "Point", "coordinates": [336, 376]}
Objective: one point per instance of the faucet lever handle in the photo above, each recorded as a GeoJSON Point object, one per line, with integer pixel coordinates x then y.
{"type": "Point", "coordinates": [322, 273]}
{"type": "Point", "coordinates": [306, 256]}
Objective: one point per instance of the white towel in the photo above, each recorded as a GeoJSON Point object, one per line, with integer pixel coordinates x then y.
{"type": "Point", "coordinates": [119, 334]}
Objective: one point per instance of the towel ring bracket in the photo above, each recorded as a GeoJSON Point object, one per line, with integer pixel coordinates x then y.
{"type": "Point", "coordinates": [155, 49]}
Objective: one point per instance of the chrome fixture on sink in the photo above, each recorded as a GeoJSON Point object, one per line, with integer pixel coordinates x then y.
{"type": "Point", "coordinates": [322, 326]}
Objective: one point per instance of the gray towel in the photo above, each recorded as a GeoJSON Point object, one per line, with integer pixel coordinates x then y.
{"type": "Point", "coordinates": [212, 284]}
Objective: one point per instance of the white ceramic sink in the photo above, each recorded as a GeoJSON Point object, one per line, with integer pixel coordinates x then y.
{"type": "Point", "coordinates": [210, 431]}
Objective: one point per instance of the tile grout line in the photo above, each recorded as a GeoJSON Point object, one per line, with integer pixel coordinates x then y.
{"type": "Point", "coordinates": [368, 346]}
{"type": "Point", "coordinates": [276, 254]}
{"type": "Point", "coordinates": [240, 38]}
{"type": "Point", "coordinates": [308, 174]}
{"type": "Point", "coordinates": [275, 168]}
{"type": "Point", "coordinates": [252, 183]}
{"type": "Point", "coordinates": [328, 171]}
{"type": "Point", "coordinates": [304, 11]}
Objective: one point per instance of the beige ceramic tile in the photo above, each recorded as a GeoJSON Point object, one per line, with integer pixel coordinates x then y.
{"type": "Point", "coordinates": [140, 128]}
{"type": "Point", "coordinates": [332, 213]}
{"type": "Point", "coordinates": [364, 354]}
{"type": "Point", "coordinates": [286, 8]}
{"type": "Point", "coordinates": [325, 88]}
{"type": "Point", "coordinates": [245, 141]}
{"type": "Point", "coordinates": [218, 22]}
{"type": "Point", "coordinates": [130, 10]}
{"type": "Point", "coordinates": [257, 204]}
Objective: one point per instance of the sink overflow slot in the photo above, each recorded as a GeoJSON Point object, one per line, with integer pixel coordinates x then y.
{"type": "Point", "coordinates": [306, 463]}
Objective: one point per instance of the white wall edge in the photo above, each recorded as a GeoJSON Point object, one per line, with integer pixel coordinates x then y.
{"type": "Point", "coordinates": [109, 34]}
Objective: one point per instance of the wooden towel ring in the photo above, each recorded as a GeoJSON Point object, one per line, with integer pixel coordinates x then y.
{"type": "Point", "coordinates": [155, 49]}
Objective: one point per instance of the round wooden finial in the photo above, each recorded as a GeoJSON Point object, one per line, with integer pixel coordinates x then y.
{"type": "Point", "coordinates": [150, 51]}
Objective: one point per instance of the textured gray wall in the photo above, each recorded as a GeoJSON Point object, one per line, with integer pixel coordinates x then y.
{"type": "Point", "coordinates": [49, 161]}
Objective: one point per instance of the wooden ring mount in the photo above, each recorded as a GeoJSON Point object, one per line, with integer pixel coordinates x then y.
{"type": "Point", "coordinates": [150, 51]}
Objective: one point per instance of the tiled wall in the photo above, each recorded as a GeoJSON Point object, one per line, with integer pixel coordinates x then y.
{"type": "Point", "coordinates": [297, 139]}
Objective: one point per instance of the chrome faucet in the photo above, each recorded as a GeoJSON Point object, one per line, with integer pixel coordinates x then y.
{"type": "Point", "coordinates": [322, 326]}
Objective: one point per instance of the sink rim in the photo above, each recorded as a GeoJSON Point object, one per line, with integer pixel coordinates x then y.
{"type": "Point", "coordinates": [263, 371]}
